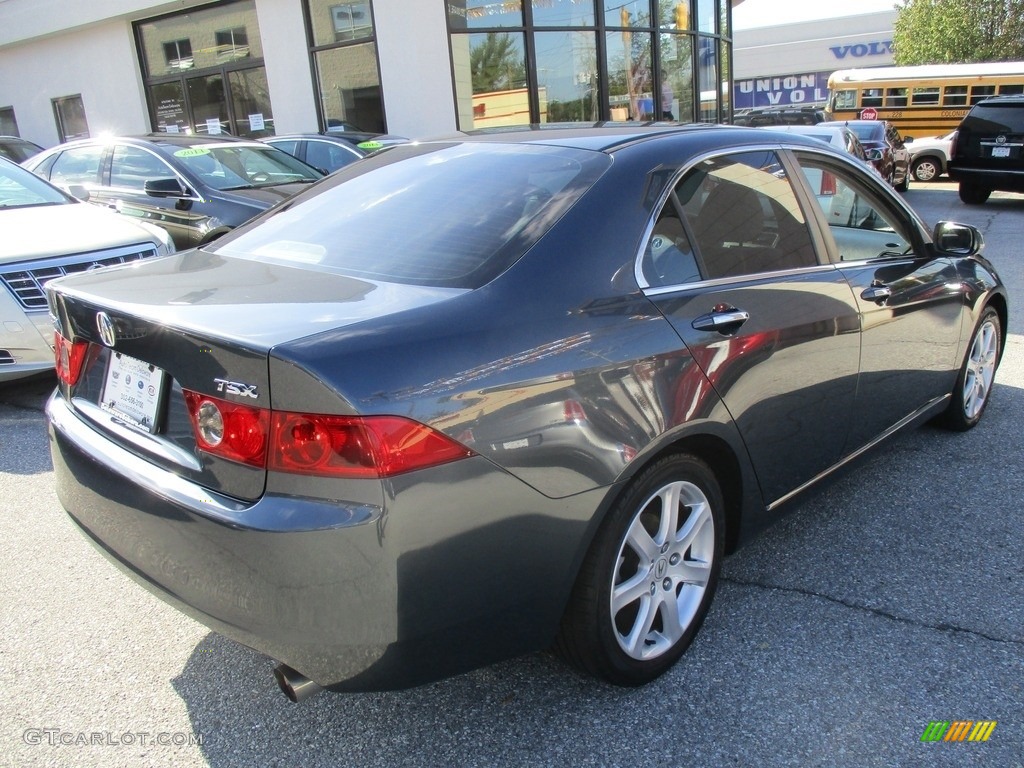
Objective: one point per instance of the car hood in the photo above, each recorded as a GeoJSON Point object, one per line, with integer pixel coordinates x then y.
{"type": "Point", "coordinates": [262, 197]}
{"type": "Point", "coordinates": [58, 230]}
{"type": "Point", "coordinates": [256, 304]}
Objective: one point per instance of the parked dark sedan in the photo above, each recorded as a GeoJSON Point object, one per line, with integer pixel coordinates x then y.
{"type": "Point", "coordinates": [325, 152]}
{"type": "Point", "coordinates": [472, 398]}
{"type": "Point", "coordinates": [17, 149]}
{"type": "Point", "coordinates": [885, 149]}
{"type": "Point", "coordinates": [195, 187]}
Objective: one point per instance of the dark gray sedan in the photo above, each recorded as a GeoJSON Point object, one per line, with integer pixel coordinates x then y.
{"type": "Point", "coordinates": [469, 399]}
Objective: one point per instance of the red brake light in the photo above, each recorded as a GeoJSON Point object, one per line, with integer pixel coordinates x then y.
{"type": "Point", "coordinates": [232, 431]}
{"type": "Point", "coordinates": [573, 411]}
{"type": "Point", "coordinates": [311, 444]}
{"type": "Point", "coordinates": [69, 357]}
{"type": "Point", "coordinates": [828, 183]}
{"type": "Point", "coordinates": [354, 446]}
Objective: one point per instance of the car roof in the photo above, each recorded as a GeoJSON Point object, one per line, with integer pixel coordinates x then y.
{"type": "Point", "coordinates": [600, 137]}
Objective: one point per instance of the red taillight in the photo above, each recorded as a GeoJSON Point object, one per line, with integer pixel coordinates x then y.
{"type": "Point", "coordinates": [69, 357]}
{"type": "Point", "coordinates": [354, 446]}
{"type": "Point", "coordinates": [828, 184]}
{"type": "Point", "coordinates": [311, 444]}
{"type": "Point", "coordinates": [573, 411]}
{"type": "Point", "coordinates": [231, 431]}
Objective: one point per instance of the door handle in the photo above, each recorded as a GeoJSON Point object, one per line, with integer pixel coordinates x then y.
{"type": "Point", "coordinates": [877, 293]}
{"type": "Point", "coordinates": [725, 320]}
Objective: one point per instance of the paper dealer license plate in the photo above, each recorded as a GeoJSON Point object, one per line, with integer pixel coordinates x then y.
{"type": "Point", "coordinates": [132, 391]}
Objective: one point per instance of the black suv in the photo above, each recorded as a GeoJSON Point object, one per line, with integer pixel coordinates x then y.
{"type": "Point", "coordinates": [763, 116]}
{"type": "Point", "coordinates": [988, 153]}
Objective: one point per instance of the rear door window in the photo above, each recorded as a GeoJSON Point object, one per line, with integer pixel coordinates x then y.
{"type": "Point", "coordinates": [729, 216]}
{"type": "Point", "coordinates": [80, 165]}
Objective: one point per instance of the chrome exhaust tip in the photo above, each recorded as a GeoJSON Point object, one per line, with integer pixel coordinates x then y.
{"type": "Point", "coordinates": [296, 686]}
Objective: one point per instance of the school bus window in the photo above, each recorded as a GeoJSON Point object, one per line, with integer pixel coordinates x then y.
{"type": "Point", "coordinates": [846, 100]}
{"type": "Point", "coordinates": [896, 97]}
{"type": "Point", "coordinates": [1007, 90]}
{"type": "Point", "coordinates": [979, 92]}
{"type": "Point", "coordinates": [954, 96]}
{"type": "Point", "coordinates": [925, 96]}
{"type": "Point", "coordinates": [871, 97]}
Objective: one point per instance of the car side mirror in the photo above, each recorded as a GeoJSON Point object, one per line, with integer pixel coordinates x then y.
{"type": "Point", "coordinates": [873, 154]}
{"type": "Point", "coordinates": [165, 188]}
{"type": "Point", "coordinates": [78, 191]}
{"type": "Point", "coordinates": [908, 139]}
{"type": "Point", "coordinates": [958, 239]}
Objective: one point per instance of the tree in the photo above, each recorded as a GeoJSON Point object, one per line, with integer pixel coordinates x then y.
{"type": "Point", "coordinates": [497, 64]}
{"type": "Point", "coordinates": [958, 31]}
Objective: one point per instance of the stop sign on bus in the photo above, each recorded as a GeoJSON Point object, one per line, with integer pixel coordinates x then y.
{"type": "Point", "coordinates": [869, 113]}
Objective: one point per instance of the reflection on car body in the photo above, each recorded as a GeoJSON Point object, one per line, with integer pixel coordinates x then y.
{"type": "Point", "coordinates": [602, 358]}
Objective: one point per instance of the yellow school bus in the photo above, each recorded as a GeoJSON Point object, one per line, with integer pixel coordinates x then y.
{"type": "Point", "coordinates": [927, 100]}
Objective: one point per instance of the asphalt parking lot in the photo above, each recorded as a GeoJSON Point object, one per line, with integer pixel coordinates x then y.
{"type": "Point", "coordinates": [892, 599]}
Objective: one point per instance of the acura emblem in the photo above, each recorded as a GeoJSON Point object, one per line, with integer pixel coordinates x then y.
{"type": "Point", "coordinates": [106, 328]}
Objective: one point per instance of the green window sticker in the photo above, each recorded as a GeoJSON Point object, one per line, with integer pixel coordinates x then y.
{"type": "Point", "coordinates": [191, 152]}
{"type": "Point", "coordinates": [369, 145]}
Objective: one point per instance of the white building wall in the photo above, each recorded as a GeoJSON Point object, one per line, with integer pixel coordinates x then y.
{"type": "Point", "coordinates": [97, 62]}
{"type": "Point", "coordinates": [863, 40]}
{"type": "Point", "coordinates": [286, 58]}
{"type": "Point", "coordinates": [415, 69]}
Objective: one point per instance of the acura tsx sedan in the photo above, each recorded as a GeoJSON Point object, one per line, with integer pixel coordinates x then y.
{"type": "Point", "coordinates": [472, 398]}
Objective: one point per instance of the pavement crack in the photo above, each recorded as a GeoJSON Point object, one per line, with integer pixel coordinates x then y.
{"type": "Point", "coordinates": [941, 627]}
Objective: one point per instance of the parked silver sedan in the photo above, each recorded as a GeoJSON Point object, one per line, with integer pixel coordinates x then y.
{"type": "Point", "coordinates": [46, 234]}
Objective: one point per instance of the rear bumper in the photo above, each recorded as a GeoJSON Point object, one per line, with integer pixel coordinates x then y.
{"type": "Point", "coordinates": [1004, 180]}
{"type": "Point", "coordinates": [464, 567]}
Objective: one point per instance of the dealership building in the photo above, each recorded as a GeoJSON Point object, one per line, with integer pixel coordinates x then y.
{"type": "Point", "coordinates": [789, 64]}
{"type": "Point", "coordinates": [411, 67]}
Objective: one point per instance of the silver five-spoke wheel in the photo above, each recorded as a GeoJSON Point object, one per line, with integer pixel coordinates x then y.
{"type": "Point", "coordinates": [662, 571]}
{"type": "Point", "coordinates": [981, 368]}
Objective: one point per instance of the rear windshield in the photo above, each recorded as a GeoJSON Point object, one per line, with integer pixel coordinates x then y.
{"type": "Point", "coordinates": [448, 215]}
{"type": "Point", "coordinates": [1005, 118]}
{"type": "Point", "coordinates": [867, 131]}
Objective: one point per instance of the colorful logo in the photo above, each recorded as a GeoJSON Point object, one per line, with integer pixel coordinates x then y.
{"type": "Point", "coordinates": [958, 730]}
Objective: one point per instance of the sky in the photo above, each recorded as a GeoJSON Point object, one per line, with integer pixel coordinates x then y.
{"type": "Point", "coordinates": [765, 13]}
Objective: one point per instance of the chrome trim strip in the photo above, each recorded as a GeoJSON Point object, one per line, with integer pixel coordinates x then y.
{"type": "Point", "coordinates": [860, 451]}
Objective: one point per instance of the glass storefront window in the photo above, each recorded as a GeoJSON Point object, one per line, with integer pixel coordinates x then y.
{"type": "Point", "coordinates": [496, 93]}
{"type": "Point", "coordinates": [200, 38]}
{"type": "Point", "coordinates": [169, 107]}
{"type": "Point", "coordinates": [209, 107]}
{"type": "Point", "coordinates": [484, 14]}
{"type": "Point", "coordinates": [706, 13]}
{"type": "Point", "coordinates": [627, 13]}
{"type": "Point", "coordinates": [337, 21]}
{"type": "Point", "coordinates": [676, 77]}
{"type": "Point", "coordinates": [250, 102]}
{"type": "Point", "coordinates": [350, 87]}
{"type": "Point", "coordinates": [567, 76]}
{"type": "Point", "coordinates": [707, 78]}
{"type": "Point", "coordinates": [590, 59]}
{"type": "Point", "coordinates": [629, 75]}
{"type": "Point", "coordinates": [563, 13]}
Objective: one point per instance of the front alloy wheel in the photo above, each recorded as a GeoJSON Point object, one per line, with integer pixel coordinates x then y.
{"type": "Point", "coordinates": [648, 580]}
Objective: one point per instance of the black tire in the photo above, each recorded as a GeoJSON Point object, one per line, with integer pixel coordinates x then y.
{"type": "Point", "coordinates": [926, 169]}
{"type": "Point", "coordinates": [973, 388]}
{"type": "Point", "coordinates": [973, 194]}
{"type": "Point", "coordinates": [636, 641]}
{"type": "Point", "coordinates": [904, 184]}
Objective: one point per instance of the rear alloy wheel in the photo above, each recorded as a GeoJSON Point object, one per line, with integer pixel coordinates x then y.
{"type": "Point", "coordinates": [973, 387]}
{"type": "Point", "coordinates": [973, 194]}
{"type": "Point", "coordinates": [926, 169]}
{"type": "Point", "coordinates": [648, 580]}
